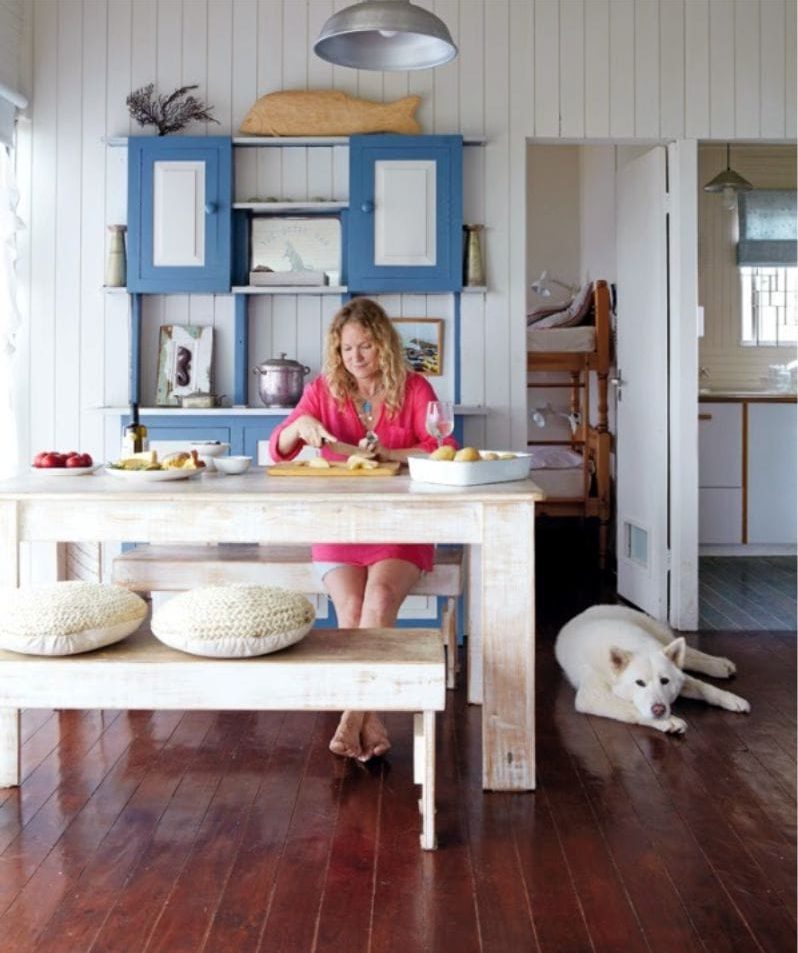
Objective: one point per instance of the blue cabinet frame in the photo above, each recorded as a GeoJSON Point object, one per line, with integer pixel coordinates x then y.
{"type": "Point", "coordinates": [447, 274]}
{"type": "Point", "coordinates": [217, 154]}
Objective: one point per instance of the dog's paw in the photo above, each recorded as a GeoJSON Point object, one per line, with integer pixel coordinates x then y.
{"type": "Point", "coordinates": [674, 725]}
{"type": "Point", "coordinates": [723, 668]}
{"type": "Point", "coordinates": [732, 702]}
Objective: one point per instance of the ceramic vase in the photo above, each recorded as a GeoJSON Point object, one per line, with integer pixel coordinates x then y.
{"type": "Point", "coordinates": [116, 264]}
{"type": "Point", "coordinates": [473, 266]}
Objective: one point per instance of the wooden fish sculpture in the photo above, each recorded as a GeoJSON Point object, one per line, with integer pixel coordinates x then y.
{"type": "Point", "coordinates": [324, 112]}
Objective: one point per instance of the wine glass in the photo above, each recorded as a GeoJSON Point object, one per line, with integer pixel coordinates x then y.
{"type": "Point", "coordinates": [440, 419]}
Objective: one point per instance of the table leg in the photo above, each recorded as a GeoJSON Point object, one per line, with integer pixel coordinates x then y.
{"type": "Point", "coordinates": [9, 747]}
{"type": "Point", "coordinates": [9, 545]}
{"type": "Point", "coordinates": [508, 647]}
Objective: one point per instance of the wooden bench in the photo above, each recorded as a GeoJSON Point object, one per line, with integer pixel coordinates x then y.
{"type": "Point", "coordinates": [330, 669]}
{"type": "Point", "coordinates": [149, 568]}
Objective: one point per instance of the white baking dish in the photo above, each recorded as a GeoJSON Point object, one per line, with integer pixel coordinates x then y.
{"type": "Point", "coordinates": [463, 473]}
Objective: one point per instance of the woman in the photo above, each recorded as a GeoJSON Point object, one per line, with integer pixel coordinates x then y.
{"type": "Point", "coordinates": [365, 395]}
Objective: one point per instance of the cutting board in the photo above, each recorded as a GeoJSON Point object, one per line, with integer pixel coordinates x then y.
{"type": "Point", "coordinates": [337, 469]}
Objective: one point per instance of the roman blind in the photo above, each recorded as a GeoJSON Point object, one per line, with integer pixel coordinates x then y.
{"type": "Point", "coordinates": [768, 228]}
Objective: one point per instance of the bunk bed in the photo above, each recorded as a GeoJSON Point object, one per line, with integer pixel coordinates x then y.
{"type": "Point", "coordinates": [575, 472]}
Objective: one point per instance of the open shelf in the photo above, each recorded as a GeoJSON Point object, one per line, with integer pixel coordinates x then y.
{"type": "Point", "coordinates": [289, 289]}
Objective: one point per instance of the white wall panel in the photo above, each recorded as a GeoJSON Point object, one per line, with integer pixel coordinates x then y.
{"type": "Point", "coordinates": [572, 69]}
{"type": "Point", "coordinates": [721, 69]}
{"type": "Point", "coordinates": [696, 68]}
{"type": "Point", "coordinates": [773, 43]}
{"type": "Point", "coordinates": [597, 68]}
{"type": "Point", "coordinates": [671, 68]}
{"type": "Point", "coordinates": [545, 68]}
{"type": "Point", "coordinates": [746, 68]}
{"type": "Point", "coordinates": [647, 96]}
{"type": "Point", "coordinates": [622, 68]}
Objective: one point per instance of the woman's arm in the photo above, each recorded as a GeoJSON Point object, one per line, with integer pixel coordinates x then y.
{"type": "Point", "coordinates": [302, 426]}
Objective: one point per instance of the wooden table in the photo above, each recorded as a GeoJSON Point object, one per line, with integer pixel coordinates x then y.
{"type": "Point", "coordinates": [497, 518]}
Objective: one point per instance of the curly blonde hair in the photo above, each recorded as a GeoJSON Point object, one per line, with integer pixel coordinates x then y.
{"type": "Point", "coordinates": [375, 322]}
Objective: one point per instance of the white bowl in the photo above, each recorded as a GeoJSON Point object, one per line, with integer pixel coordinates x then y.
{"type": "Point", "coordinates": [232, 465]}
{"type": "Point", "coordinates": [209, 448]}
{"type": "Point", "coordinates": [468, 473]}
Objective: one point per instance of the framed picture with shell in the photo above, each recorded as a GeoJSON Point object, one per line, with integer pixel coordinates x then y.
{"type": "Point", "coordinates": [422, 339]}
{"type": "Point", "coordinates": [184, 362]}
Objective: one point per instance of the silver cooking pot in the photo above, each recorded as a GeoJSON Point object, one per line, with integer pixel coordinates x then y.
{"type": "Point", "coordinates": [281, 381]}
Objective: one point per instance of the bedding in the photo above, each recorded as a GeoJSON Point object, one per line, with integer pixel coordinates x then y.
{"type": "Point", "coordinates": [561, 340]}
{"type": "Point", "coordinates": [559, 483]}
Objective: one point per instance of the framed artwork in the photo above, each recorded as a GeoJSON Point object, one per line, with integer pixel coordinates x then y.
{"type": "Point", "coordinates": [422, 339]}
{"type": "Point", "coordinates": [308, 248]}
{"type": "Point", "coordinates": [184, 362]}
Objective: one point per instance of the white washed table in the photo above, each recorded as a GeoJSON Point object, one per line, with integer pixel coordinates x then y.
{"type": "Point", "coordinates": [498, 518]}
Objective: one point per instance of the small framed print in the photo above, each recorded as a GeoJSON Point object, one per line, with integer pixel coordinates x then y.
{"type": "Point", "coordinates": [184, 362]}
{"type": "Point", "coordinates": [422, 339]}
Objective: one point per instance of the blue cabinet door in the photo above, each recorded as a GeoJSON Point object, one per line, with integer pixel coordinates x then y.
{"type": "Point", "coordinates": [179, 214]}
{"type": "Point", "coordinates": [405, 221]}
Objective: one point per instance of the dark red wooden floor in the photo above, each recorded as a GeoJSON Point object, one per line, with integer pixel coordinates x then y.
{"type": "Point", "coordinates": [215, 832]}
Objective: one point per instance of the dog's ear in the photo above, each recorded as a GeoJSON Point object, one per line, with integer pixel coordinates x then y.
{"type": "Point", "coordinates": [619, 659]}
{"type": "Point", "coordinates": [676, 651]}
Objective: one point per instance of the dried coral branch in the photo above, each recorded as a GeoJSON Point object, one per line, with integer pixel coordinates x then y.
{"type": "Point", "coordinates": [169, 113]}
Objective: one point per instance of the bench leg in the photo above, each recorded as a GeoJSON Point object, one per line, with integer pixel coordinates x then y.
{"type": "Point", "coordinates": [9, 747]}
{"type": "Point", "coordinates": [424, 774]}
{"type": "Point", "coordinates": [449, 633]}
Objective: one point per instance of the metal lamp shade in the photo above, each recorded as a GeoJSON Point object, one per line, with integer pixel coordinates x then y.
{"type": "Point", "coordinates": [728, 180]}
{"type": "Point", "coordinates": [385, 35]}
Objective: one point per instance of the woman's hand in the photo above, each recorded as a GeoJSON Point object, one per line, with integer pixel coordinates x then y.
{"type": "Point", "coordinates": [304, 428]}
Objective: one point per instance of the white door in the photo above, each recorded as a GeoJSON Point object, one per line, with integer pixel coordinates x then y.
{"type": "Point", "coordinates": [642, 458]}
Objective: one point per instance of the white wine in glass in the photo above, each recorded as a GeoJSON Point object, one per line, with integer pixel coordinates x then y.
{"type": "Point", "coordinates": [440, 419]}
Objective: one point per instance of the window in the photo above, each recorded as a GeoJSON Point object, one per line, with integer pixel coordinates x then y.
{"type": "Point", "coordinates": [767, 254]}
{"type": "Point", "coordinates": [769, 305]}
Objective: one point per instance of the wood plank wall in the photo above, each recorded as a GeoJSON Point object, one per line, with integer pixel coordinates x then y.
{"type": "Point", "coordinates": [11, 20]}
{"type": "Point", "coordinates": [601, 69]}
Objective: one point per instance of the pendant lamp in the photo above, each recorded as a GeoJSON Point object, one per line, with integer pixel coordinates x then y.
{"type": "Point", "coordinates": [385, 35]}
{"type": "Point", "coordinates": [728, 183]}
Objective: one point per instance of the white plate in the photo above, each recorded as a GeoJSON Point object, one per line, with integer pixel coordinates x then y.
{"type": "Point", "coordinates": [467, 473]}
{"type": "Point", "coordinates": [65, 471]}
{"type": "Point", "coordinates": [151, 476]}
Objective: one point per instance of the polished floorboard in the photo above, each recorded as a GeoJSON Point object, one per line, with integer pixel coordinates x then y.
{"type": "Point", "coordinates": [202, 831]}
{"type": "Point", "coordinates": [747, 592]}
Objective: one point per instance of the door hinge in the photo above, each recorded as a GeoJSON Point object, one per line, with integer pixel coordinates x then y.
{"type": "Point", "coordinates": [667, 560]}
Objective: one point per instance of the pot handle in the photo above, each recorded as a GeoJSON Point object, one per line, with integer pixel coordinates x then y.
{"type": "Point", "coordinates": [305, 370]}
{"type": "Point", "coordinates": [256, 370]}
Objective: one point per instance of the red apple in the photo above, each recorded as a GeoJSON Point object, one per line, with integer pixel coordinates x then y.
{"type": "Point", "coordinates": [53, 459]}
{"type": "Point", "coordinates": [79, 460]}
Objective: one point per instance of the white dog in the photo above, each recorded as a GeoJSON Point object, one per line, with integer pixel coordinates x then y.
{"type": "Point", "coordinates": [625, 665]}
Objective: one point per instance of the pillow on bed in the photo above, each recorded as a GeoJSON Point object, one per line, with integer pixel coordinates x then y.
{"type": "Point", "coordinates": [233, 621]}
{"type": "Point", "coordinates": [543, 311]}
{"type": "Point", "coordinates": [66, 618]}
{"type": "Point", "coordinates": [553, 458]}
{"type": "Point", "coordinates": [574, 314]}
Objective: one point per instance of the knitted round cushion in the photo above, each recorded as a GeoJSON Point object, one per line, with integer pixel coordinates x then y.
{"type": "Point", "coordinates": [65, 618]}
{"type": "Point", "coordinates": [233, 621]}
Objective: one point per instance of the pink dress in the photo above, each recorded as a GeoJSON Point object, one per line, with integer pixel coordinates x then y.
{"type": "Point", "coordinates": [404, 430]}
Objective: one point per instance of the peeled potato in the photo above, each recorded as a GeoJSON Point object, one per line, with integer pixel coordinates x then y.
{"type": "Point", "coordinates": [489, 455]}
{"type": "Point", "coordinates": [444, 452]}
{"type": "Point", "coordinates": [319, 463]}
{"type": "Point", "coordinates": [506, 455]}
{"type": "Point", "coordinates": [468, 454]}
{"type": "Point", "coordinates": [356, 462]}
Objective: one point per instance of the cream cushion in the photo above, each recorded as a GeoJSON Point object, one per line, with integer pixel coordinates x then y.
{"type": "Point", "coordinates": [66, 618]}
{"type": "Point", "coordinates": [233, 621]}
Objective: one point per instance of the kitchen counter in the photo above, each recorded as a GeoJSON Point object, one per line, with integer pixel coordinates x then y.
{"type": "Point", "coordinates": [750, 396]}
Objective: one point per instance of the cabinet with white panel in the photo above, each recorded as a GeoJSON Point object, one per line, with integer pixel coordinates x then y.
{"type": "Point", "coordinates": [771, 473]}
{"type": "Point", "coordinates": [720, 473]}
{"type": "Point", "coordinates": [748, 476]}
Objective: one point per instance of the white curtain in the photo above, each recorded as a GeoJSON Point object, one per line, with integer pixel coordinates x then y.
{"type": "Point", "coordinates": [10, 224]}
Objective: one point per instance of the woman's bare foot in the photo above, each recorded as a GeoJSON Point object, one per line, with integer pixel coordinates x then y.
{"type": "Point", "coordinates": [360, 735]}
{"type": "Point", "coordinates": [373, 737]}
{"type": "Point", "coordinates": [346, 740]}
